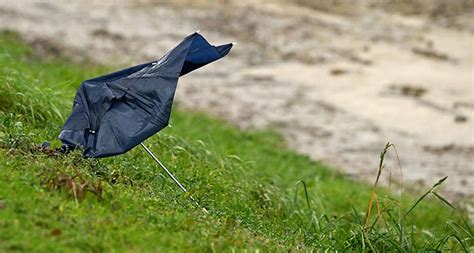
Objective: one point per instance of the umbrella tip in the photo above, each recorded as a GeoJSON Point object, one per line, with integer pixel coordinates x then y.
{"type": "Point", "coordinates": [234, 43]}
{"type": "Point", "coordinates": [198, 31]}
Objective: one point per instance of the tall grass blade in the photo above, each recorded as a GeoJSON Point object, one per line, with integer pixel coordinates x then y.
{"type": "Point", "coordinates": [425, 194]}
{"type": "Point", "coordinates": [305, 193]}
{"type": "Point", "coordinates": [443, 200]}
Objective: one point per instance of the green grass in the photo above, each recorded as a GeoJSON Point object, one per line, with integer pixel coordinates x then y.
{"type": "Point", "coordinates": [259, 194]}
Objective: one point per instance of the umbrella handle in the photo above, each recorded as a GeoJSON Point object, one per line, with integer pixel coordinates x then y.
{"type": "Point", "coordinates": [171, 175]}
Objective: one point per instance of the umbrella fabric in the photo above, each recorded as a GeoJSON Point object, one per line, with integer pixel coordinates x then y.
{"type": "Point", "coordinates": [114, 113]}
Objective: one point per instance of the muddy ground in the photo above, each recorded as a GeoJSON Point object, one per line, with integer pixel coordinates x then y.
{"type": "Point", "coordinates": [337, 81]}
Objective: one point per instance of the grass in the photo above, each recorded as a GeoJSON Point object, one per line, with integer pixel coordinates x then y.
{"type": "Point", "coordinates": [260, 195]}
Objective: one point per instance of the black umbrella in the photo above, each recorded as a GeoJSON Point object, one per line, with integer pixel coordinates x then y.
{"type": "Point", "coordinates": [115, 112]}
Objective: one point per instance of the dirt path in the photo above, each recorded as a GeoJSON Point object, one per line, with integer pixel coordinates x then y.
{"type": "Point", "coordinates": [337, 87]}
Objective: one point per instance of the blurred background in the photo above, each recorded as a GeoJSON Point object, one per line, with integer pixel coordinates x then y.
{"type": "Point", "coordinates": [338, 79]}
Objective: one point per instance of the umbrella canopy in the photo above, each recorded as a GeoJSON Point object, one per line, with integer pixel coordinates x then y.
{"type": "Point", "coordinates": [114, 113]}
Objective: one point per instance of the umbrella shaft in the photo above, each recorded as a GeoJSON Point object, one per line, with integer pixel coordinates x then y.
{"type": "Point", "coordinates": [172, 176]}
{"type": "Point", "coordinates": [164, 168]}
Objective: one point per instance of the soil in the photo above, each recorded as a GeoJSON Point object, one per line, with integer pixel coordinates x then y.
{"type": "Point", "coordinates": [338, 84]}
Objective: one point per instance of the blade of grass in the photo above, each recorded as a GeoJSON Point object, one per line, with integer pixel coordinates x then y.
{"type": "Point", "coordinates": [425, 194]}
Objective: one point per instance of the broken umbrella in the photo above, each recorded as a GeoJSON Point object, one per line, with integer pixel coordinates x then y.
{"type": "Point", "coordinates": [116, 112]}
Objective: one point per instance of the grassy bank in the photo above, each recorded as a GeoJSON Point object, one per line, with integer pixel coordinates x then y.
{"type": "Point", "coordinates": [259, 194]}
